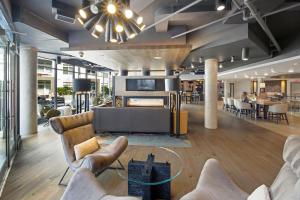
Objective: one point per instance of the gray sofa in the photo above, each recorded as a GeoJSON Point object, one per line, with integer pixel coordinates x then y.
{"type": "Point", "coordinates": [132, 119]}
{"type": "Point", "coordinates": [213, 184]}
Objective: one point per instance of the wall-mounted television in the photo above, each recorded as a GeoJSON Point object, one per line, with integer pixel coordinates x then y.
{"type": "Point", "coordinates": [143, 85]}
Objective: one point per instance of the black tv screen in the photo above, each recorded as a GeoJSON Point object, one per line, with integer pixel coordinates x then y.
{"type": "Point", "coordinates": [146, 85]}
{"type": "Point", "coordinates": [140, 85]}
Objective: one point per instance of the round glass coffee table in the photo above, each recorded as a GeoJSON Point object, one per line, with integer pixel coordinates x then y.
{"type": "Point", "coordinates": [149, 171]}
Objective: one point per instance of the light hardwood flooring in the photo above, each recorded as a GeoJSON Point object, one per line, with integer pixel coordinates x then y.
{"type": "Point", "coordinates": [281, 128]}
{"type": "Point", "coordinates": [250, 154]}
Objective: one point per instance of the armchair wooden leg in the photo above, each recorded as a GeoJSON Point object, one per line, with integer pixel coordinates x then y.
{"type": "Point", "coordinates": [62, 178]}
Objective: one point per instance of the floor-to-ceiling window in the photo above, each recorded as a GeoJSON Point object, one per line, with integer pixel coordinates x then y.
{"type": "Point", "coordinates": [3, 156]}
{"type": "Point", "coordinates": [9, 135]}
{"type": "Point", "coordinates": [101, 83]}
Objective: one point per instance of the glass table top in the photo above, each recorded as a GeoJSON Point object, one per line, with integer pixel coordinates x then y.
{"type": "Point", "coordinates": [161, 155]}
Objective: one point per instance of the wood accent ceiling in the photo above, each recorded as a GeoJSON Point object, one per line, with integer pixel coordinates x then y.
{"type": "Point", "coordinates": [137, 58]}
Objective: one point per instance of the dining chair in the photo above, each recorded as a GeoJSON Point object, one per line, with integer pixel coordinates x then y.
{"type": "Point", "coordinates": [279, 111]}
{"type": "Point", "coordinates": [225, 105]}
{"type": "Point", "coordinates": [243, 108]}
{"type": "Point", "coordinates": [230, 103]}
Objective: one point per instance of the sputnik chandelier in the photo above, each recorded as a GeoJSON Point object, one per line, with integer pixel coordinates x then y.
{"type": "Point", "coordinates": [113, 18]}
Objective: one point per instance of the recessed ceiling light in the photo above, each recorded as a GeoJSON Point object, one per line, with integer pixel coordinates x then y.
{"type": "Point", "coordinates": [273, 71]}
{"type": "Point", "coordinates": [252, 77]}
{"type": "Point", "coordinates": [246, 76]}
{"type": "Point", "coordinates": [220, 66]}
{"type": "Point", "coordinates": [157, 57]}
{"type": "Point", "coordinates": [291, 71]}
{"type": "Point", "coordinates": [266, 74]}
{"type": "Point", "coordinates": [220, 5]}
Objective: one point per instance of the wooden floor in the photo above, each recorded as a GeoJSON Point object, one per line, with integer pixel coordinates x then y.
{"type": "Point", "coordinates": [249, 153]}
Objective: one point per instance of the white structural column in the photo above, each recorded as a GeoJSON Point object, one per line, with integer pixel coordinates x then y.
{"type": "Point", "coordinates": [226, 89]}
{"type": "Point", "coordinates": [259, 81]}
{"type": "Point", "coordinates": [210, 108]}
{"type": "Point", "coordinates": [28, 91]}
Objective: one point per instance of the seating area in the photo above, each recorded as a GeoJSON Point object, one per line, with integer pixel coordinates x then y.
{"type": "Point", "coordinates": [275, 111]}
{"type": "Point", "coordinates": [149, 100]}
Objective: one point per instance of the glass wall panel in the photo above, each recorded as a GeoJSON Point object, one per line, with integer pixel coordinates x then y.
{"type": "Point", "coordinates": [3, 155]}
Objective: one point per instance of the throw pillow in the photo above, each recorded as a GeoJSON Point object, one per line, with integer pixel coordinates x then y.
{"type": "Point", "coordinates": [260, 193]}
{"type": "Point", "coordinates": [86, 147]}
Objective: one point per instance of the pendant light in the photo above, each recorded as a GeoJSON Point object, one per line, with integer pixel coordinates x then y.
{"type": "Point", "coordinates": [112, 17]}
{"type": "Point", "coordinates": [245, 53]}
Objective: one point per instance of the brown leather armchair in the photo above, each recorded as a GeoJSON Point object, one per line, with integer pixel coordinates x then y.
{"type": "Point", "coordinates": [78, 128]}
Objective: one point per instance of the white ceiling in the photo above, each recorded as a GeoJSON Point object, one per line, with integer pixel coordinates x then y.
{"type": "Point", "coordinates": [285, 66]}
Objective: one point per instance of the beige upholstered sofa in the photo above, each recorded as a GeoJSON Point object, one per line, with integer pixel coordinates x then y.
{"type": "Point", "coordinates": [213, 184]}
{"type": "Point", "coordinates": [78, 128]}
{"type": "Point", "coordinates": [84, 186]}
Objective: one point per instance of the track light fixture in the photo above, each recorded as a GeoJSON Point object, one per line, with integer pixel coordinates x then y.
{"type": "Point", "coordinates": [232, 59]}
{"type": "Point", "coordinates": [112, 17]}
{"type": "Point", "coordinates": [245, 53]}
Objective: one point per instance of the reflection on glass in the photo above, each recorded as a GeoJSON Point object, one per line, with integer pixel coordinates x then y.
{"type": "Point", "coordinates": [2, 110]}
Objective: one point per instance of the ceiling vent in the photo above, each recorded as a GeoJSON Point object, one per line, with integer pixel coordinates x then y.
{"type": "Point", "coordinates": [63, 12]}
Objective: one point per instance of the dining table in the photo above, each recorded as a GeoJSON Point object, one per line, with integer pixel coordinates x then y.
{"type": "Point", "coordinates": [263, 104]}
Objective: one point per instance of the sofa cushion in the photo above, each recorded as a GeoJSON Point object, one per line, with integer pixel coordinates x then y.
{"type": "Point", "coordinates": [286, 186]}
{"type": "Point", "coordinates": [76, 136]}
{"type": "Point", "coordinates": [110, 197]}
{"type": "Point", "coordinates": [86, 147]}
{"type": "Point", "coordinates": [215, 184]}
{"type": "Point", "coordinates": [64, 123]}
{"type": "Point", "coordinates": [260, 193]}
{"type": "Point", "coordinates": [291, 153]}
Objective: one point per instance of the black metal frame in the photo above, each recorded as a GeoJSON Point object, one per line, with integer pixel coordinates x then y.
{"type": "Point", "coordinates": [97, 174]}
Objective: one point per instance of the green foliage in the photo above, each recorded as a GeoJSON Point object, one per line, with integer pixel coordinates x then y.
{"type": "Point", "coordinates": [64, 91]}
{"type": "Point", "coordinates": [106, 90]}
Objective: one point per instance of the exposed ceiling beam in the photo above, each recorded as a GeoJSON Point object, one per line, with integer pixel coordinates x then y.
{"type": "Point", "coordinates": [239, 12]}
{"type": "Point", "coordinates": [282, 9]}
{"type": "Point", "coordinates": [262, 23]}
{"type": "Point", "coordinates": [237, 4]}
{"type": "Point", "coordinates": [171, 15]}
{"type": "Point", "coordinates": [205, 25]}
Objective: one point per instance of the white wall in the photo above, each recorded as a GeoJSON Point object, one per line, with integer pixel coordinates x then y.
{"type": "Point", "coordinates": [241, 86]}
{"type": "Point", "coordinates": [295, 88]}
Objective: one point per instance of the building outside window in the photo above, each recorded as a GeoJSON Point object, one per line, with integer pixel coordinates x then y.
{"type": "Point", "coordinates": [44, 66]}
{"type": "Point", "coordinates": [44, 87]}
{"type": "Point", "coordinates": [67, 70]}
